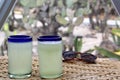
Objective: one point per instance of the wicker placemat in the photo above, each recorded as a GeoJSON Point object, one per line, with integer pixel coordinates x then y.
{"type": "Point", "coordinates": [104, 69]}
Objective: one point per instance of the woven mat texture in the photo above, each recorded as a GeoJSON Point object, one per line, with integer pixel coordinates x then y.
{"type": "Point", "coordinates": [104, 69]}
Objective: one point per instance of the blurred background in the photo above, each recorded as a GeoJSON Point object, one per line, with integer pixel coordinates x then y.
{"type": "Point", "coordinates": [84, 25]}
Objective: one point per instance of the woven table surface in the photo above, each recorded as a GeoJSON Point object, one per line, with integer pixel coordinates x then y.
{"type": "Point", "coordinates": [104, 69]}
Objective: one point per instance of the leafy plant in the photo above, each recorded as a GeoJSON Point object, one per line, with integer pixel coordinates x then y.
{"type": "Point", "coordinates": [61, 20]}
{"type": "Point", "coordinates": [116, 31]}
{"type": "Point", "coordinates": [107, 53]}
{"type": "Point", "coordinates": [116, 52]}
{"type": "Point", "coordinates": [116, 35]}
{"type": "Point", "coordinates": [54, 14]}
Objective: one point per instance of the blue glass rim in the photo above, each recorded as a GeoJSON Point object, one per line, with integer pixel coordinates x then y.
{"type": "Point", "coordinates": [49, 38]}
{"type": "Point", "coordinates": [19, 38]}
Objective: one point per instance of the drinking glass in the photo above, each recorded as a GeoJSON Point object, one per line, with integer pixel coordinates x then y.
{"type": "Point", "coordinates": [19, 56]}
{"type": "Point", "coordinates": [50, 56]}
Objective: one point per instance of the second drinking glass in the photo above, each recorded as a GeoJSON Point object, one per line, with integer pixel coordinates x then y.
{"type": "Point", "coordinates": [50, 56]}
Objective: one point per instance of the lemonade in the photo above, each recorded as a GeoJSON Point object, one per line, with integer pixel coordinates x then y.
{"type": "Point", "coordinates": [50, 59]}
{"type": "Point", "coordinates": [19, 59]}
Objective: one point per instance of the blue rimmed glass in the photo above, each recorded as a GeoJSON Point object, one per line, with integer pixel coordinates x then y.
{"type": "Point", "coordinates": [19, 56]}
{"type": "Point", "coordinates": [50, 56]}
{"type": "Point", "coordinates": [49, 38]}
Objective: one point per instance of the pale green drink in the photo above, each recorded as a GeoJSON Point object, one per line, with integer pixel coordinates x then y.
{"type": "Point", "coordinates": [19, 59]}
{"type": "Point", "coordinates": [50, 59]}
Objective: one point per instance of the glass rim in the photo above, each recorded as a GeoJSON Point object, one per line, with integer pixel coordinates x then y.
{"type": "Point", "coordinates": [50, 38]}
{"type": "Point", "coordinates": [19, 38]}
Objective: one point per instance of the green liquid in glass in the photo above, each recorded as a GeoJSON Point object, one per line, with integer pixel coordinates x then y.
{"type": "Point", "coordinates": [19, 60]}
{"type": "Point", "coordinates": [50, 59]}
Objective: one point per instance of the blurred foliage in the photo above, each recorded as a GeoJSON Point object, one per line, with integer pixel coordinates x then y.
{"type": "Point", "coordinates": [52, 14]}
{"type": "Point", "coordinates": [116, 37]}
{"type": "Point", "coordinates": [55, 11]}
{"type": "Point", "coordinates": [116, 31]}
{"type": "Point", "coordinates": [109, 54]}
{"type": "Point", "coordinates": [61, 20]}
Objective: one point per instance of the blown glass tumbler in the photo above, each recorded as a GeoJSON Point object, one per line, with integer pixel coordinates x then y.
{"type": "Point", "coordinates": [19, 56]}
{"type": "Point", "coordinates": [50, 56]}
